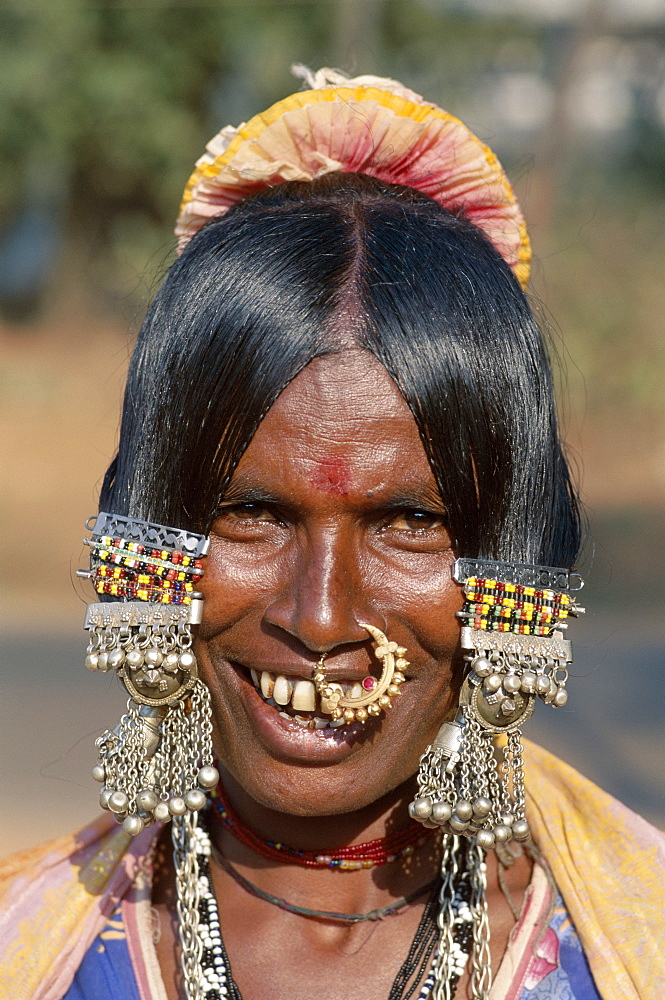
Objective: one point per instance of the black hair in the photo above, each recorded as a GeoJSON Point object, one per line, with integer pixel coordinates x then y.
{"type": "Point", "coordinates": [296, 272]}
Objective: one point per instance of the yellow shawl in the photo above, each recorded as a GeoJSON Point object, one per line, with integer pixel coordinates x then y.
{"type": "Point", "coordinates": [608, 864]}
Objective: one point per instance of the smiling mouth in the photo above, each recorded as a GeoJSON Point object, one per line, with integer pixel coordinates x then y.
{"type": "Point", "coordinates": [297, 700]}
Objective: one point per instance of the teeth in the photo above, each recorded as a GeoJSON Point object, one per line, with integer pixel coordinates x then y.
{"type": "Point", "coordinates": [267, 684]}
{"type": "Point", "coordinates": [282, 690]}
{"type": "Point", "coordinates": [301, 695]}
{"type": "Point", "coordinates": [303, 698]}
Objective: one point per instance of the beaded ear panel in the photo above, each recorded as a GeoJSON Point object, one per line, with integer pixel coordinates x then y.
{"type": "Point", "coordinates": [137, 560]}
{"type": "Point", "coordinates": [515, 649]}
{"type": "Point", "coordinates": [514, 636]}
{"type": "Point", "coordinates": [158, 761]}
{"type": "Point", "coordinates": [495, 605]}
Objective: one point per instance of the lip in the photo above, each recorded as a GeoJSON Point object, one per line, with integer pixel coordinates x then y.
{"type": "Point", "coordinates": [289, 741]}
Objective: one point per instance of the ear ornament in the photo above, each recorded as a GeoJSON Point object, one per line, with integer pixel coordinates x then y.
{"type": "Point", "coordinates": [157, 763]}
{"type": "Point", "coordinates": [471, 778]}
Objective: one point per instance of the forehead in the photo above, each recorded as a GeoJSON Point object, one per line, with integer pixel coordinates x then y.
{"type": "Point", "coordinates": [341, 419]}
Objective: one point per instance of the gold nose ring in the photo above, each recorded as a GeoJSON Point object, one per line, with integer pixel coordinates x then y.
{"type": "Point", "coordinates": [319, 671]}
{"type": "Point", "coordinates": [376, 694]}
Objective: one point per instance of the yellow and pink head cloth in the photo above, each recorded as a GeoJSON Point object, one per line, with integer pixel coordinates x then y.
{"type": "Point", "coordinates": [365, 125]}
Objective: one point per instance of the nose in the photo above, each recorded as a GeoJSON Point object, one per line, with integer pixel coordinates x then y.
{"type": "Point", "coordinates": [323, 599]}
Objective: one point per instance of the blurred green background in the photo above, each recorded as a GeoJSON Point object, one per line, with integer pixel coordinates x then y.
{"type": "Point", "coordinates": [103, 109]}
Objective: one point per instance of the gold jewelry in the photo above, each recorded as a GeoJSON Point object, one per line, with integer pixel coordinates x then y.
{"type": "Point", "coordinates": [376, 694]}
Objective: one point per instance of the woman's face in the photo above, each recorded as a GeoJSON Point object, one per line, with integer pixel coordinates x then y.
{"type": "Point", "coordinates": [332, 518]}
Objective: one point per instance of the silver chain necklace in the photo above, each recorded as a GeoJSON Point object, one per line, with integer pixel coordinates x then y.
{"type": "Point", "coordinates": [205, 964]}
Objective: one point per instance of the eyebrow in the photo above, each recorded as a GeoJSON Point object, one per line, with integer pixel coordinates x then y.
{"type": "Point", "coordinates": [414, 496]}
{"type": "Point", "coordinates": [408, 495]}
{"type": "Point", "coordinates": [240, 492]}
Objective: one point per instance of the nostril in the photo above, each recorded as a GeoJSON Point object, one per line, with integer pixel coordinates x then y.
{"type": "Point", "coordinates": [314, 636]}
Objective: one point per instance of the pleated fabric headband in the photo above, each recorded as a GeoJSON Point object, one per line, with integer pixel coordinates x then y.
{"type": "Point", "coordinates": [366, 125]}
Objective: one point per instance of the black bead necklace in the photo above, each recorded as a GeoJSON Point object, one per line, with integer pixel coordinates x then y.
{"type": "Point", "coordinates": [217, 979]}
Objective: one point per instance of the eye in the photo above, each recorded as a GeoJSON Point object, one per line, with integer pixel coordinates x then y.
{"type": "Point", "coordinates": [247, 512]}
{"type": "Point", "coordinates": [417, 520]}
{"type": "Point", "coordinates": [245, 518]}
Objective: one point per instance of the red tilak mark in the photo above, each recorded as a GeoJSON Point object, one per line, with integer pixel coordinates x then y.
{"type": "Point", "coordinates": [332, 476]}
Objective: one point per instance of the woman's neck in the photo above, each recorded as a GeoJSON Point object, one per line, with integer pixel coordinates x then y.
{"type": "Point", "coordinates": [321, 833]}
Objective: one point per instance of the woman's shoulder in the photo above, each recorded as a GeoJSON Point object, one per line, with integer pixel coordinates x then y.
{"type": "Point", "coordinates": [51, 852]}
{"type": "Point", "coordinates": [55, 898]}
{"type": "Point", "coordinates": [563, 804]}
{"type": "Point", "coordinates": [608, 864]}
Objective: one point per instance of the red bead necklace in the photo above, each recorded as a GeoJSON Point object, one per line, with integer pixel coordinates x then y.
{"type": "Point", "coordinates": [381, 851]}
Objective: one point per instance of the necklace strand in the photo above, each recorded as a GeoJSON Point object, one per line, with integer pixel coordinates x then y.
{"type": "Point", "coordinates": [216, 980]}
{"type": "Point", "coordinates": [303, 911]}
{"type": "Point", "coordinates": [380, 851]}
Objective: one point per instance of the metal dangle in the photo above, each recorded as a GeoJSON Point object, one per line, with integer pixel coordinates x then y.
{"type": "Point", "coordinates": [158, 762]}
{"type": "Point", "coordinates": [470, 783]}
{"type": "Point", "coordinates": [376, 694]}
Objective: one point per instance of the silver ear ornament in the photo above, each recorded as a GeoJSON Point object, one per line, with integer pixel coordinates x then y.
{"type": "Point", "coordinates": [469, 783]}
{"type": "Point", "coordinates": [158, 762]}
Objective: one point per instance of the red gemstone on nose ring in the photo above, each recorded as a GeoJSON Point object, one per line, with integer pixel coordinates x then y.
{"type": "Point", "coordinates": [369, 683]}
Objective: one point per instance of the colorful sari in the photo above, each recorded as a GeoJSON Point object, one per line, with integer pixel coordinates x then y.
{"type": "Point", "coordinates": [607, 863]}
{"type": "Point", "coordinates": [543, 960]}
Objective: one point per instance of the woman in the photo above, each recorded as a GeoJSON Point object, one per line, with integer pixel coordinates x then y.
{"type": "Point", "coordinates": [342, 402]}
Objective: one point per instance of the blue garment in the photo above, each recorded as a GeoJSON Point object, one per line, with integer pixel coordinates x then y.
{"type": "Point", "coordinates": [106, 972]}
{"type": "Point", "coordinates": [572, 979]}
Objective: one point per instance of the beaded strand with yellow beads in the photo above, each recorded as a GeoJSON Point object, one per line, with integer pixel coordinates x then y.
{"type": "Point", "coordinates": [134, 571]}
{"type": "Point", "coordinates": [495, 605]}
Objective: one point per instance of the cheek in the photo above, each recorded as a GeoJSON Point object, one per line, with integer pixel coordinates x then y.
{"type": "Point", "coordinates": [427, 604]}
{"type": "Point", "coordinates": [418, 592]}
{"type": "Point", "coordinates": [237, 585]}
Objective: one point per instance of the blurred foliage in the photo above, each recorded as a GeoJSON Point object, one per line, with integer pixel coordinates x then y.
{"type": "Point", "coordinates": [104, 106]}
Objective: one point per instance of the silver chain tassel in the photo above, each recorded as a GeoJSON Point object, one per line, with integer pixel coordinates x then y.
{"type": "Point", "coordinates": [467, 785]}
{"type": "Point", "coordinates": [463, 905]}
{"type": "Point", "coordinates": [481, 968]}
{"type": "Point", "coordinates": [158, 762]}
{"type": "Point", "coordinates": [187, 891]}
{"type": "Point", "coordinates": [515, 652]}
